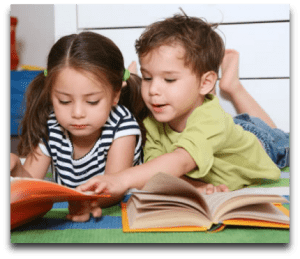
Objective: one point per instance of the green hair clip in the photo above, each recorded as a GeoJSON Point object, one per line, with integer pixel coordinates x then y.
{"type": "Point", "coordinates": [45, 72]}
{"type": "Point", "coordinates": [126, 75]}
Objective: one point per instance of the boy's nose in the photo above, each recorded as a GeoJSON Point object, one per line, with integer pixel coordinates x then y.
{"type": "Point", "coordinates": [154, 88]}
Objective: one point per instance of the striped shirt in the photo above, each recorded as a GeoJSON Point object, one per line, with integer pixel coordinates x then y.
{"type": "Point", "coordinates": [74, 172]}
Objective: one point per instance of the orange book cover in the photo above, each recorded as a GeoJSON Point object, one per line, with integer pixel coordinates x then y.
{"type": "Point", "coordinates": [32, 198]}
{"type": "Point", "coordinates": [260, 223]}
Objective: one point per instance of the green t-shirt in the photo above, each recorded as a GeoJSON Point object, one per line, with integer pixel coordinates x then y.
{"type": "Point", "coordinates": [223, 151]}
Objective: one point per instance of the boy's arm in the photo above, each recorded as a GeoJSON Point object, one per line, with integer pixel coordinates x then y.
{"type": "Point", "coordinates": [177, 163]}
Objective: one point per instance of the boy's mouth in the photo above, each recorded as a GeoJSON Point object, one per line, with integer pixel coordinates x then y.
{"type": "Point", "coordinates": [158, 107]}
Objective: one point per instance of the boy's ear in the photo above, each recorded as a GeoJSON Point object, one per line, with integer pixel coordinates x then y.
{"type": "Point", "coordinates": [208, 81]}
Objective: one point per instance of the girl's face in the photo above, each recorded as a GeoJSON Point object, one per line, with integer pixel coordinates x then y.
{"type": "Point", "coordinates": [169, 88]}
{"type": "Point", "coordinates": [81, 104]}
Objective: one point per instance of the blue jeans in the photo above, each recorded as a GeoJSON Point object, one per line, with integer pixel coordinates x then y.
{"type": "Point", "coordinates": [275, 142]}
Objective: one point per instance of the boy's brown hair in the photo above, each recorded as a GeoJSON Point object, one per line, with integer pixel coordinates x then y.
{"type": "Point", "coordinates": [204, 48]}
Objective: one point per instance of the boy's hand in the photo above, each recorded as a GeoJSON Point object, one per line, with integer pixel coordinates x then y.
{"type": "Point", "coordinates": [209, 188]}
{"type": "Point", "coordinates": [110, 183]}
{"type": "Point", "coordinates": [205, 188]}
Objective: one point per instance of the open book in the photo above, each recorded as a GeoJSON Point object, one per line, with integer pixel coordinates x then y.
{"type": "Point", "coordinates": [167, 203]}
{"type": "Point", "coordinates": [33, 198]}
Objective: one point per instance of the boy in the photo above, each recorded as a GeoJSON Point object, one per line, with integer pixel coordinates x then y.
{"type": "Point", "coordinates": [188, 134]}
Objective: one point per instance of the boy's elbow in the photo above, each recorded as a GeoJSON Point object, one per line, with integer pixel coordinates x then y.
{"type": "Point", "coordinates": [274, 173]}
{"type": "Point", "coordinates": [277, 173]}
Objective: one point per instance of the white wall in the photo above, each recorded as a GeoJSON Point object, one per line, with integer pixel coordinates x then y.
{"type": "Point", "coordinates": [261, 33]}
{"type": "Point", "coordinates": [34, 32]}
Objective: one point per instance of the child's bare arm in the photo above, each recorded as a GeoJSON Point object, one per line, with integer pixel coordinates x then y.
{"type": "Point", "coordinates": [120, 155]}
{"type": "Point", "coordinates": [206, 188]}
{"type": "Point", "coordinates": [35, 166]}
{"type": "Point", "coordinates": [119, 158]}
{"type": "Point", "coordinates": [16, 167]}
{"type": "Point", "coordinates": [177, 163]}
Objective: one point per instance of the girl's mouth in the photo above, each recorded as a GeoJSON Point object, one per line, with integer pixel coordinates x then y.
{"type": "Point", "coordinates": [76, 126]}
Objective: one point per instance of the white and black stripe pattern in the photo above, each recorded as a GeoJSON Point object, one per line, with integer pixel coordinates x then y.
{"type": "Point", "coordinates": [70, 172]}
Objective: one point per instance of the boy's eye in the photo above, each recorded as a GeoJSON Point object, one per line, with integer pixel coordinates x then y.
{"type": "Point", "coordinates": [146, 78]}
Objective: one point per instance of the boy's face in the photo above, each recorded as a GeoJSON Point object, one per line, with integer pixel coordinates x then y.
{"type": "Point", "coordinates": [169, 88]}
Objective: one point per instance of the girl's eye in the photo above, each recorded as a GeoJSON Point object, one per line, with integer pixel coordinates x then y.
{"type": "Point", "coordinates": [64, 102]}
{"type": "Point", "coordinates": [170, 80]}
{"type": "Point", "coordinates": [93, 103]}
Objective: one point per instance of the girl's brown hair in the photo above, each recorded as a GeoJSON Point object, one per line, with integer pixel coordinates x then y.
{"type": "Point", "coordinates": [84, 52]}
{"type": "Point", "coordinates": [204, 48]}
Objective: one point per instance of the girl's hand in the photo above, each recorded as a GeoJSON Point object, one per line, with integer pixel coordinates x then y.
{"type": "Point", "coordinates": [111, 183]}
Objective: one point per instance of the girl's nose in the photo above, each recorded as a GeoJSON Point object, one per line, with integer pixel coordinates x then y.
{"type": "Point", "coordinates": [78, 111]}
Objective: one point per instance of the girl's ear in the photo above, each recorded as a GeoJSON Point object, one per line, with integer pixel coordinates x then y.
{"type": "Point", "coordinates": [117, 95]}
{"type": "Point", "coordinates": [116, 98]}
{"type": "Point", "coordinates": [208, 81]}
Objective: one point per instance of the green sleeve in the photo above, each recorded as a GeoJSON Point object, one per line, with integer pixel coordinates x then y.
{"type": "Point", "coordinates": [203, 136]}
{"type": "Point", "coordinates": [200, 150]}
{"type": "Point", "coordinates": [153, 146]}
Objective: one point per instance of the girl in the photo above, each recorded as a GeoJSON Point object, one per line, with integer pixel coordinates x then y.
{"type": "Point", "coordinates": [80, 115]}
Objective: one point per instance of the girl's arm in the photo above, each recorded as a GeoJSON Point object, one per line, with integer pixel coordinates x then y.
{"type": "Point", "coordinates": [119, 158]}
{"type": "Point", "coordinates": [35, 166]}
{"type": "Point", "coordinates": [120, 155]}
